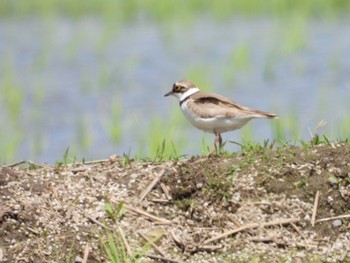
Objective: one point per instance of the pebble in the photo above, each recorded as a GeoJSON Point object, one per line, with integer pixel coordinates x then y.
{"type": "Point", "coordinates": [337, 223]}
{"type": "Point", "coordinates": [134, 176]}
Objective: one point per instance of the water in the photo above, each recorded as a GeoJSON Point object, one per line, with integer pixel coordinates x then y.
{"type": "Point", "coordinates": [70, 72]}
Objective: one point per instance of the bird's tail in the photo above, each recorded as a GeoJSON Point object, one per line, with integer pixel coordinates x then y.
{"type": "Point", "coordinates": [271, 116]}
{"type": "Point", "coordinates": [263, 114]}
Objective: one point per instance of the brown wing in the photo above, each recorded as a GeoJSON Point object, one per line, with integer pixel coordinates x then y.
{"type": "Point", "coordinates": [211, 105]}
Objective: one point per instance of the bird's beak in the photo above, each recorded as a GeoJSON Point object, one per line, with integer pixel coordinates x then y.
{"type": "Point", "coordinates": [169, 93]}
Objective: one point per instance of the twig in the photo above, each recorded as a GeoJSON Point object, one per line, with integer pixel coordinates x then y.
{"type": "Point", "coordinates": [297, 229]}
{"type": "Point", "coordinates": [22, 162]}
{"type": "Point", "coordinates": [314, 210]}
{"type": "Point", "coordinates": [126, 244]}
{"type": "Point", "coordinates": [332, 218]}
{"type": "Point", "coordinates": [143, 213]}
{"type": "Point", "coordinates": [166, 191]}
{"type": "Point", "coordinates": [151, 185]}
{"type": "Point", "coordinates": [343, 256]}
{"type": "Point", "coordinates": [165, 259]}
{"type": "Point", "coordinates": [235, 221]}
{"type": "Point", "coordinates": [158, 200]}
{"type": "Point", "coordinates": [161, 252]}
{"type": "Point", "coordinates": [300, 233]}
{"type": "Point", "coordinates": [207, 248]}
{"type": "Point", "coordinates": [205, 228]}
{"type": "Point", "coordinates": [255, 203]}
{"type": "Point", "coordinates": [80, 169]}
{"type": "Point", "coordinates": [16, 164]}
{"type": "Point", "coordinates": [231, 232]}
{"type": "Point", "coordinates": [93, 161]}
{"type": "Point", "coordinates": [36, 232]}
{"type": "Point", "coordinates": [177, 240]}
{"type": "Point", "coordinates": [279, 243]}
{"type": "Point", "coordinates": [282, 221]}
{"type": "Point", "coordinates": [97, 222]}
{"type": "Point", "coordinates": [251, 226]}
{"type": "Point", "coordinates": [86, 253]}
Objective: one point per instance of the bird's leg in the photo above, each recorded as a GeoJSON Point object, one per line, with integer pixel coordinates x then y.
{"type": "Point", "coordinates": [219, 140]}
{"type": "Point", "coordinates": [217, 143]}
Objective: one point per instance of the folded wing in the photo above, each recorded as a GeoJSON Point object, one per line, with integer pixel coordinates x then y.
{"type": "Point", "coordinates": [210, 105]}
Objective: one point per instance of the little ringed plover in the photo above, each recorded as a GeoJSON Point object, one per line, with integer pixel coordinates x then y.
{"type": "Point", "coordinates": [211, 112]}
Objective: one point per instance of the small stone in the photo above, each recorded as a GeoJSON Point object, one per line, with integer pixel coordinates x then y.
{"type": "Point", "coordinates": [134, 176]}
{"type": "Point", "coordinates": [337, 223]}
{"type": "Point", "coordinates": [330, 199]}
{"type": "Point", "coordinates": [78, 259]}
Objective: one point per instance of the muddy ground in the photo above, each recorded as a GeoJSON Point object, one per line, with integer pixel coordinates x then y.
{"type": "Point", "coordinates": [290, 204]}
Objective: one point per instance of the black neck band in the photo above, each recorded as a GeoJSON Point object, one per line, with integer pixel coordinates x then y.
{"type": "Point", "coordinates": [184, 100]}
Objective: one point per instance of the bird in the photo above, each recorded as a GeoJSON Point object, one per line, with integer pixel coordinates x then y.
{"type": "Point", "coordinates": [211, 112]}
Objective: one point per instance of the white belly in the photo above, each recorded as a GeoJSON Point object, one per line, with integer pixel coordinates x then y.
{"type": "Point", "coordinates": [218, 124]}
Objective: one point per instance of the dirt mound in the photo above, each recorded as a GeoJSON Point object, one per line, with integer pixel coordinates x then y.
{"type": "Point", "coordinates": [252, 206]}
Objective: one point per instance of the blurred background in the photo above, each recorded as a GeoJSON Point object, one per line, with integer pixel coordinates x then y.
{"type": "Point", "coordinates": [90, 75]}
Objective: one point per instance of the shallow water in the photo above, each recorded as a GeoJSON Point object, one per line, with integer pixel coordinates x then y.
{"type": "Point", "coordinates": [70, 72]}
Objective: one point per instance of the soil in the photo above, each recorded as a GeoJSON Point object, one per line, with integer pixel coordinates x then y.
{"type": "Point", "coordinates": [288, 204]}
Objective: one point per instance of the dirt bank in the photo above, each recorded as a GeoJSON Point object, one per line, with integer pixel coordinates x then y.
{"type": "Point", "coordinates": [262, 206]}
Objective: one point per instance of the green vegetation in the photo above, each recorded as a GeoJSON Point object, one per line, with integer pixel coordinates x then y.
{"type": "Point", "coordinates": [294, 34]}
{"type": "Point", "coordinates": [239, 61]}
{"type": "Point", "coordinates": [161, 139]}
{"type": "Point", "coordinates": [11, 106]}
{"type": "Point", "coordinates": [124, 10]}
{"type": "Point", "coordinates": [114, 123]}
{"type": "Point", "coordinates": [66, 159]}
{"type": "Point", "coordinates": [83, 135]}
{"type": "Point", "coordinates": [115, 249]}
{"type": "Point", "coordinates": [200, 76]}
{"type": "Point", "coordinates": [114, 242]}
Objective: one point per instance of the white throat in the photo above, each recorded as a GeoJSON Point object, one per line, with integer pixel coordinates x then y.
{"type": "Point", "coordinates": [188, 93]}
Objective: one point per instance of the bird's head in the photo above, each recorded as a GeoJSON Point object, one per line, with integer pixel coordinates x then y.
{"type": "Point", "coordinates": [182, 89]}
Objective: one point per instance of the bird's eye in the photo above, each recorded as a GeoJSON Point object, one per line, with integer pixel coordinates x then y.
{"type": "Point", "coordinates": [177, 88]}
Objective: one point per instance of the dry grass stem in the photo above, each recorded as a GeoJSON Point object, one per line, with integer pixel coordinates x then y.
{"type": "Point", "coordinates": [166, 191]}
{"type": "Point", "coordinates": [126, 244]}
{"type": "Point", "coordinates": [314, 210]}
{"type": "Point", "coordinates": [161, 252]}
{"type": "Point", "coordinates": [208, 248]}
{"type": "Point", "coordinates": [158, 200]}
{"type": "Point", "coordinates": [281, 221]}
{"type": "Point", "coordinates": [97, 222]}
{"type": "Point", "coordinates": [164, 259]}
{"type": "Point", "coordinates": [177, 240]}
{"type": "Point", "coordinates": [231, 232]}
{"type": "Point", "coordinates": [151, 185]}
{"type": "Point", "coordinates": [86, 253]}
{"type": "Point", "coordinates": [333, 218]}
{"type": "Point", "coordinates": [145, 214]}
{"type": "Point", "coordinates": [23, 162]}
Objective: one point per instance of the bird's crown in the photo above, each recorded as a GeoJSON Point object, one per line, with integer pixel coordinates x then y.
{"type": "Point", "coordinates": [182, 86]}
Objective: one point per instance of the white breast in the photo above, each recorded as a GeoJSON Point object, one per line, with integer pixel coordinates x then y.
{"type": "Point", "coordinates": [218, 124]}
